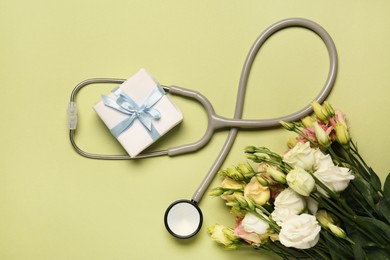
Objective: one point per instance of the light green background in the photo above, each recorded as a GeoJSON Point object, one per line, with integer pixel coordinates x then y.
{"type": "Point", "coordinates": [57, 205]}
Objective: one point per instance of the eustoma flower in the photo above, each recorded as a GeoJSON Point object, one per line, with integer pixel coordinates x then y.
{"type": "Point", "coordinates": [301, 155]}
{"type": "Point", "coordinates": [300, 181]}
{"type": "Point", "coordinates": [288, 203]}
{"type": "Point", "coordinates": [258, 193]}
{"type": "Point", "coordinates": [252, 223]}
{"type": "Point", "coordinates": [300, 231]}
{"type": "Point", "coordinates": [335, 178]}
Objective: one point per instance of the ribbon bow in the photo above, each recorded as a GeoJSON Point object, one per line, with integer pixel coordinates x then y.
{"type": "Point", "coordinates": [144, 113]}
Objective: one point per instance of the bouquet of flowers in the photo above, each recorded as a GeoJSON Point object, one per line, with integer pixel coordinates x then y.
{"type": "Point", "coordinates": [318, 200]}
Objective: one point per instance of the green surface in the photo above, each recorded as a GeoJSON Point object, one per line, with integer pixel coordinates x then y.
{"type": "Point", "coordinates": [55, 204]}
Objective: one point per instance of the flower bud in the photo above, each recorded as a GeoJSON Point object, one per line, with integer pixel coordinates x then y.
{"type": "Point", "coordinates": [216, 192]}
{"type": "Point", "coordinates": [246, 170]}
{"type": "Point", "coordinates": [325, 218]}
{"type": "Point", "coordinates": [222, 235]}
{"type": "Point", "coordinates": [233, 204]}
{"type": "Point", "coordinates": [251, 157]}
{"type": "Point", "coordinates": [238, 212]}
{"type": "Point", "coordinates": [287, 125]}
{"type": "Point", "coordinates": [276, 175]}
{"type": "Point", "coordinates": [241, 200]}
{"type": "Point", "coordinates": [328, 108]}
{"type": "Point", "coordinates": [229, 234]}
{"type": "Point", "coordinates": [291, 142]}
{"type": "Point", "coordinates": [231, 247]}
{"type": "Point", "coordinates": [262, 181]}
{"type": "Point", "coordinates": [342, 135]}
{"type": "Point", "coordinates": [307, 121]}
{"type": "Point", "coordinates": [321, 136]}
{"type": "Point", "coordinates": [320, 112]}
{"type": "Point", "coordinates": [234, 174]}
{"type": "Point", "coordinates": [251, 204]}
{"type": "Point", "coordinates": [250, 149]}
{"type": "Point", "coordinates": [337, 231]}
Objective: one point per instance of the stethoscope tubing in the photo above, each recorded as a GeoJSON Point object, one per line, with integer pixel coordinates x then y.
{"type": "Point", "coordinates": [333, 66]}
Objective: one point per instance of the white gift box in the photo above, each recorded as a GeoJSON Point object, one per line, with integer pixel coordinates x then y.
{"type": "Point", "coordinates": [153, 116]}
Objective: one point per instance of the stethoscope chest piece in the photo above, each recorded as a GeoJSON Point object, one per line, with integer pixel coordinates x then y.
{"type": "Point", "coordinates": [183, 219]}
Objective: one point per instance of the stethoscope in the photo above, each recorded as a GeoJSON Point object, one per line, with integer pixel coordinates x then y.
{"type": "Point", "coordinates": [183, 218]}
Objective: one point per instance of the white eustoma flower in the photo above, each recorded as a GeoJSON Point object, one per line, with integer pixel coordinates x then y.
{"type": "Point", "coordinates": [300, 181]}
{"type": "Point", "coordinates": [335, 178]}
{"type": "Point", "coordinates": [300, 231]}
{"type": "Point", "coordinates": [301, 155]}
{"type": "Point", "coordinates": [322, 161]}
{"type": "Point", "coordinates": [288, 203]}
{"type": "Point", "coordinates": [312, 205]}
{"type": "Point", "coordinates": [252, 223]}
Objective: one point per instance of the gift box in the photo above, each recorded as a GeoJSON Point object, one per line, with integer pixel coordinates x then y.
{"type": "Point", "coordinates": [138, 112]}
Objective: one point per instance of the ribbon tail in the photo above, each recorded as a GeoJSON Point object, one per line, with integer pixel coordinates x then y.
{"type": "Point", "coordinates": [154, 134]}
{"type": "Point", "coordinates": [122, 126]}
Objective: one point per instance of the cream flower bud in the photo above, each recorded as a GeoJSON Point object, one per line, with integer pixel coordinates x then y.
{"type": "Point", "coordinates": [320, 112]}
{"type": "Point", "coordinates": [337, 231]}
{"type": "Point", "coordinates": [326, 218]}
{"type": "Point", "coordinates": [222, 235]}
{"type": "Point", "coordinates": [328, 108]}
{"type": "Point", "coordinates": [216, 192]}
{"type": "Point", "coordinates": [291, 142]}
{"type": "Point", "coordinates": [246, 170]}
{"type": "Point", "coordinates": [342, 134]}
{"type": "Point", "coordinates": [234, 174]}
{"type": "Point", "coordinates": [276, 175]}
{"type": "Point", "coordinates": [321, 136]}
{"type": "Point", "coordinates": [300, 181]}
{"type": "Point", "coordinates": [307, 121]}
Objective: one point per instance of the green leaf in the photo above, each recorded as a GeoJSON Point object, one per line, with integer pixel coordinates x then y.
{"type": "Point", "coordinates": [384, 208]}
{"type": "Point", "coordinates": [380, 229]}
{"type": "Point", "coordinates": [374, 180]}
{"type": "Point", "coordinates": [386, 188]}
{"type": "Point", "coordinates": [358, 252]}
{"type": "Point", "coordinates": [377, 253]}
{"type": "Point", "coordinates": [365, 189]}
{"type": "Point", "coordinates": [338, 249]}
{"type": "Point", "coordinates": [357, 248]}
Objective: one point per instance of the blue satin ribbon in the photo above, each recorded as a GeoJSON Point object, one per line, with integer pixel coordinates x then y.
{"type": "Point", "coordinates": [144, 113]}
